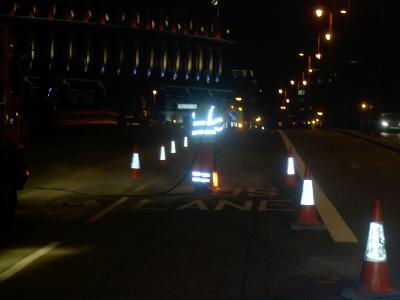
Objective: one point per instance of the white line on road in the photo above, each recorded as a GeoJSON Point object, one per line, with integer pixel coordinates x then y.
{"type": "Point", "coordinates": [106, 210]}
{"type": "Point", "coordinates": [337, 227]}
{"type": "Point", "coordinates": [121, 201]}
{"type": "Point", "coordinates": [27, 261]}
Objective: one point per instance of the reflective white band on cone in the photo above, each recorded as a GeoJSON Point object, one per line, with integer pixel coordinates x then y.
{"type": "Point", "coordinates": [290, 168]}
{"type": "Point", "coordinates": [185, 142]}
{"type": "Point", "coordinates": [135, 161]}
{"type": "Point", "coordinates": [307, 196]}
{"type": "Point", "coordinates": [173, 148]}
{"type": "Point", "coordinates": [162, 154]}
{"type": "Point", "coordinates": [375, 250]}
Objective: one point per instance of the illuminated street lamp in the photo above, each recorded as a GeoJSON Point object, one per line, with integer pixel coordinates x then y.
{"type": "Point", "coordinates": [319, 12]}
{"type": "Point", "coordinates": [304, 82]}
{"type": "Point", "coordinates": [343, 11]}
{"type": "Point", "coordinates": [238, 99]}
{"type": "Point", "coordinates": [364, 107]}
{"type": "Point", "coordinates": [287, 100]}
{"type": "Point", "coordinates": [280, 91]}
{"type": "Point", "coordinates": [283, 107]}
{"type": "Point", "coordinates": [318, 55]}
{"type": "Point", "coordinates": [292, 82]}
{"type": "Point", "coordinates": [310, 70]}
{"type": "Point", "coordinates": [258, 119]}
{"type": "Point", "coordinates": [240, 109]}
{"type": "Point", "coordinates": [320, 113]}
{"type": "Point", "coordinates": [154, 97]}
{"type": "Point", "coordinates": [328, 36]}
{"type": "Point", "coordinates": [301, 54]}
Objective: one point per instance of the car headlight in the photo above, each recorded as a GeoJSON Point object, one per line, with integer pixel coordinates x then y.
{"type": "Point", "coordinates": [384, 123]}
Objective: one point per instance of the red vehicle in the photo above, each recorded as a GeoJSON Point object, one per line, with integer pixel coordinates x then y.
{"type": "Point", "coordinates": [13, 171]}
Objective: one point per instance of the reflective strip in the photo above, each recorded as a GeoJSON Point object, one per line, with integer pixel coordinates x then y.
{"type": "Point", "coordinates": [199, 123]}
{"type": "Point", "coordinates": [375, 250]}
{"type": "Point", "coordinates": [173, 148]}
{"type": "Point", "coordinates": [135, 161]}
{"type": "Point", "coordinates": [162, 154]}
{"type": "Point", "coordinates": [307, 196]}
{"type": "Point", "coordinates": [201, 174]}
{"type": "Point", "coordinates": [204, 132]}
{"type": "Point", "coordinates": [202, 180]}
{"type": "Point", "coordinates": [185, 142]}
{"type": "Point", "coordinates": [290, 168]}
{"type": "Point", "coordinates": [210, 115]}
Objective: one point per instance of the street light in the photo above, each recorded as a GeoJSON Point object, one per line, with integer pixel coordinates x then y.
{"type": "Point", "coordinates": [287, 100]}
{"type": "Point", "coordinates": [280, 91]}
{"type": "Point", "coordinates": [364, 107]}
{"type": "Point", "coordinates": [318, 55]}
{"type": "Point", "coordinates": [301, 54]}
{"type": "Point", "coordinates": [328, 36]}
{"type": "Point", "coordinates": [154, 97]}
{"type": "Point", "coordinates": [319, 12]}
{"type": "Point", "coordinates": [343, 11]}
{"type": "Point", "coordinates": [238, 99]}
{"type": "Point", "coordinates": [292, 82]}
{"type": "Point", "coordinates": [304, 82]}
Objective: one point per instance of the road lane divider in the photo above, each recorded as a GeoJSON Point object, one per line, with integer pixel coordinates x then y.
{"type": "Point", "coordinates": [18, 267]}
{"type": "Point", "coordinates": [337, 227]}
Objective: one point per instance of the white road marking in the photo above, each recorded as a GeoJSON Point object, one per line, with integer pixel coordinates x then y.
{"type": "Point", "coordinates": [194, 204]}
{"type": "Point", "coordinates": [142, 203]}
{"type": "Point", "coordinates": [121, 201]}
{"type": "Point", "coordinates": [147, 183]}
{"type": "Point", "coordinates": [27, 261]}
{"type": "Point", "coordinates": [222, 203]}
{"type": "Point", "coordinates": [107, 210]}
{"type": "Point", "coordinates": [337, 227]}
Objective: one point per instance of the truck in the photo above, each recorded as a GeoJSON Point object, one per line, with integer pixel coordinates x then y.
{"type": "Point", "coordinates": [13, 167]}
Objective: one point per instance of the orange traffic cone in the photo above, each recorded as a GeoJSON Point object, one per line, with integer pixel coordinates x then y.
{"type": "Point", "coordinates": [290, 173]}
{"type": "Point", "coordinates": [307, 218]}
{"type": "Point", "coordinates": [374, 280]}
{"type": "Point", "coordinates": [135, 164]}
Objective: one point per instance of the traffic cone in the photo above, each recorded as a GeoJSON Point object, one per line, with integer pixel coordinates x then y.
{"type": "Point", "coordinates": [173, 148]}
{"type": "Point", "coordinates": [135, 164]}
{"type": "Point", "coordinates": [162, 153]}
{"type": "Point", "coordinates": [374, 282]}
{"type": "Point", "coordinates": [307, 218]}
{"type": "Point", "coordinates": [185, 142]}
{"type": "Point", "coordinates": [290, 173]}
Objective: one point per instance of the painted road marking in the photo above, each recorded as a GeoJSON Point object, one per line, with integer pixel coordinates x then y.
{"type": "Point", "coordinates": [278, 205]}
{"type": "Point", "coordinates": [219, 205]}
{"type": "Point", "coordinates": [245, 207]}
{"type": "Point", "coordinates": [27, 261]}
{"type": "Point", "coordinates": [121, 201]}
{"type": "Point", "coordinates": [263, 192]}
{"type": "Point", "coordinates": [194, 204]}
{"type": "Point", "coordinates": [337, 227]}
{"type": "Point", "coordinates": [107, 210]}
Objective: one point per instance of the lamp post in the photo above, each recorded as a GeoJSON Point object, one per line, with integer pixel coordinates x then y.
{"type": "Point", "coordinates": [154, 97]}
{"type": "Point", "coordinates": [364, 107]}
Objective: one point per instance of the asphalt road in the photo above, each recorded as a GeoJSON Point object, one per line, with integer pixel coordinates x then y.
{"type": "Point", "coordinates": [86, 230]}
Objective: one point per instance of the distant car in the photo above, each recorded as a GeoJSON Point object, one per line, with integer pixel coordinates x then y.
{"type": "Point", "coordinates": [387, 122]}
